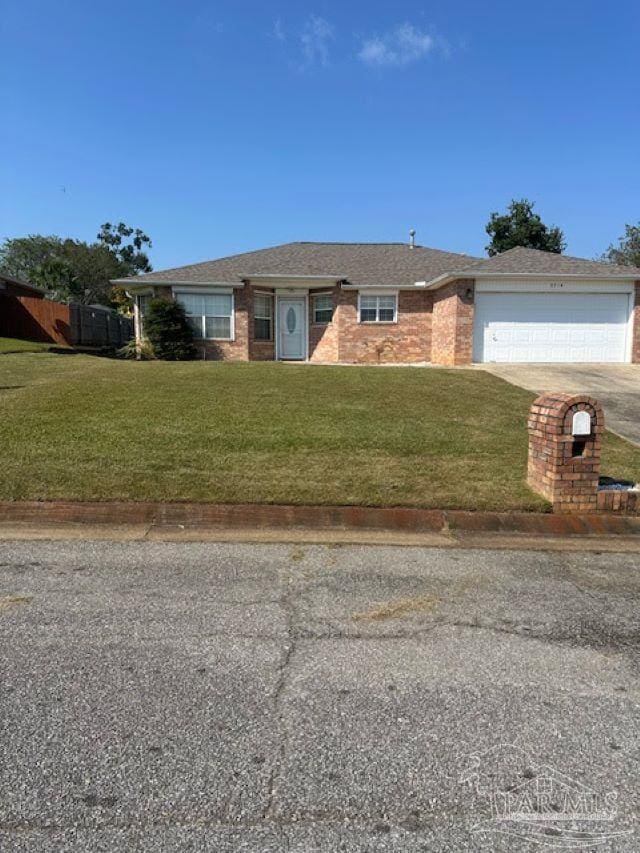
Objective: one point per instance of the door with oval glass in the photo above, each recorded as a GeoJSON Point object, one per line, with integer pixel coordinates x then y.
{"type": "Point", "coordinates": [292, 343]}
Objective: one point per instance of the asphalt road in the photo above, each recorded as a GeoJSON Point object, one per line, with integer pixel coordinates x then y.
{"type": "Point", "coordinates": [165, 697]}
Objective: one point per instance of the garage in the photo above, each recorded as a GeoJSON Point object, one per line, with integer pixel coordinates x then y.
{"type": "Point", "coordinates": [548, 325]}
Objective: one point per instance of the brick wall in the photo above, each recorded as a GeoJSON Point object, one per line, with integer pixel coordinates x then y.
{"type": "Point", "coordinates": [259, 350]}
{"type": "Point", "coordinates": [405, 342]}
{"type": "Point", "coordinates": [430, 327]}
{"type": "Point", "coordinates": [237, 349]}
{"type": "Point", "coordinates": [635, 341]}
{"type": "Point", "coordinates": [452, 330]}
{"type": "Point", "coordinates": [556, 469]}
{"type": "Point", "coordinates": [323, 340]}
{"type": "Point", "coordinates": [627, 503]}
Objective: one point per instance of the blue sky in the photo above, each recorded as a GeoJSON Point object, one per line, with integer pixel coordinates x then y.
{"type": "Point", "coordinates": [226, 126]}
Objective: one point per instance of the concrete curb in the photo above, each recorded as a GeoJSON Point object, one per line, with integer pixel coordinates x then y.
{"type": "Point", "coordinates": [332, 538]}
{"type": "Point", "coordinates": [276, 518]}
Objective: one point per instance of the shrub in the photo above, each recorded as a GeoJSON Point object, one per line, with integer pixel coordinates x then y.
{"type": "Point", "coordinates": [132, 349]}
{"type": "Point", "coordinates": [167, 330]}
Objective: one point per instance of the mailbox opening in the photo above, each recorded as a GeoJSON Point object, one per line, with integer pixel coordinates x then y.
{"type": "Point", "coordinates": [578, 447]}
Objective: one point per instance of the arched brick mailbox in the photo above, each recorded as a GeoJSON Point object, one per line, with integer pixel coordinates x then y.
{"type": "Point", "coordinates": [565, 439]}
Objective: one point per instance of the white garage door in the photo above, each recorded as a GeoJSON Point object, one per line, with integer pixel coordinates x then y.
{"type": "Point", "coordinates": [543, 327]}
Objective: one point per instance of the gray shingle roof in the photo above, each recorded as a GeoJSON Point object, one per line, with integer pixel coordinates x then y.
{"type": "Point", "coordinates": [379, 264]}
{"type": "Point", "coordinates": [522, 261]}
{"type": "Point", "coordinates": [362, 264]}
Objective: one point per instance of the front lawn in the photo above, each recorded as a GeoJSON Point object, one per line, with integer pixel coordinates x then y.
{"type": "Point", "coordinates": [11, 345]}
{"type": "Point", "coordinates": [85, 428]}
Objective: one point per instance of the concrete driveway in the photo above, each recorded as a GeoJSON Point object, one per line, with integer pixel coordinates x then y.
{"type": "Point", "coordinates": [269, 698]}
{"type": "Point", "coordinates": [617, 386]}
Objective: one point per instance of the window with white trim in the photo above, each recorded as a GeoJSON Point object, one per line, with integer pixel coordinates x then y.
{"type": "Point", "coordinates": [263, 317]}
{"type": "Point", "coordinates": [378, 309]}
{"type": "Point", "coordinates": [322, 309]}
{"type": "Point", "coordinates": [210, 315]}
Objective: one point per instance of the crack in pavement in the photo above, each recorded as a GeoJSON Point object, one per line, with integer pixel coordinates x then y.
{"type": "Point", "coordinates": [296, 633]}
{"type": "Point", "coordinates": [288, 604]}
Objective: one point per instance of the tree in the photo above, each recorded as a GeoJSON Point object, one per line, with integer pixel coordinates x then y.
{"type": "Point", "coordinates": [20, 256]}
{"type": "Point", "coordinates": [627, 252]}
{"type": "Point", "coordinates": [76, 271]}
{"type": "Point", "coordinates": [129, 254]}
{"type": "Point", "coordinates": [167, 330]}
{"type": "Point", "coordinates": [520, 226]}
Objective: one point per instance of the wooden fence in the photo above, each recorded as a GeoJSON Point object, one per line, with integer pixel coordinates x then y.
{"type": "Point", "coordinates": [99, 327]}
{"type": "Point", "coordinates": [53, 322]}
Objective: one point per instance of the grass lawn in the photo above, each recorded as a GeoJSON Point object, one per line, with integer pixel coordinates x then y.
{"type": "Point", "coordinates": [9, 345]}
{"type": "Point", "coordinates": [81, 427]}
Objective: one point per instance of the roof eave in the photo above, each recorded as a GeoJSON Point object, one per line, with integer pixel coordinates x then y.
{"type": "Point", "coordinates": [282, 280]}
{"type": "Point", "coordinates": [438, 281]}
{"type": "Point", "coordinates": [417, 285]}
{"type": "Point", "coordinates": [273, 275]}
{"type": "Point", "coordinates": [441, 280]}
{"type": "Point", "coordinates": [148, 282]}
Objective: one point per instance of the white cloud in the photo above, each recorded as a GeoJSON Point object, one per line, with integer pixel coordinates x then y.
{"type": "Point", "coordinates": [400, 46]}
{"type": "Point", "coordinates": [317, 34]}
{"type": "Point", "coordinates": [278, 30]}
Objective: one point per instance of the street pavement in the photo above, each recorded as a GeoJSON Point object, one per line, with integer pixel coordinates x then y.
{"type": "Point", "coordinates": [225, 697]}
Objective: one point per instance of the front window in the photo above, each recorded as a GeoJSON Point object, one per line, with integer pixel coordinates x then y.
{"type": "Point", "coordinates": [262, 317]}
{"type": "Point", "coordinates": [210, 315]}
{"type": "Point", "coordinates": [378, 309]}
{"type": "Point", "coordinates": [322, 309]}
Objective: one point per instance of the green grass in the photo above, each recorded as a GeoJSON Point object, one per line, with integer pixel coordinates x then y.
{"type": "Point", "coordinates": [79, 427]}
{"type": "Point", "coordinates": [11, 345]}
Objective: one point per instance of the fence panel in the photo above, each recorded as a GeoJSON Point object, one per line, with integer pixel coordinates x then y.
{"type": "Point", "coordinates": [53, 322]}
{"type": "Point", "coordinates": [35, 319]}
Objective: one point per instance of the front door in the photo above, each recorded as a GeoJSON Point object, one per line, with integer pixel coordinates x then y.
{"type": "Point", "coordinates": [292, 341]}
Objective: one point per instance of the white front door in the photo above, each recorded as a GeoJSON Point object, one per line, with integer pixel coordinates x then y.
{"type": "Point", "coordinates": [543, 327]}
{"type": "Point", "coordinates": [292, 328]}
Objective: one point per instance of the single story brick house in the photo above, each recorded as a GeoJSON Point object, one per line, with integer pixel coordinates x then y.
{"type": "Point", "coordinates": [402, 303]}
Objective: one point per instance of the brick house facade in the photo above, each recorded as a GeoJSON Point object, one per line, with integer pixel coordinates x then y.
{"type": "Point", "coordinates": [635, 324]}
{"type": "Point", "coordinates": [398, 304]}
{"type": "Point", "coordinates": [408, 340]}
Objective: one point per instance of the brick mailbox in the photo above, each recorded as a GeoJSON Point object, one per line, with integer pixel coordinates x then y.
{"type": "Point", "coordinates": [565, 440]}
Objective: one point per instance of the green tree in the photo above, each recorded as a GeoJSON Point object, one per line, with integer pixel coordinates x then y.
{"type": "Point", "coordinates": [520, 226]}
{"type": "Point", "coordinates": [20, 256]}
{"type": "Point", "coordinates": [167, 330]}
{"type": "Point", "coordinates": [627, 252]}
{"type": "Point", "coordinates": [76, 271]}
{"type": "Point", "coordinates": [129, 254]}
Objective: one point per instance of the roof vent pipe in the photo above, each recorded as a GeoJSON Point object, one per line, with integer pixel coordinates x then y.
{"type": "Point", "coordinates": [412, 238]}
